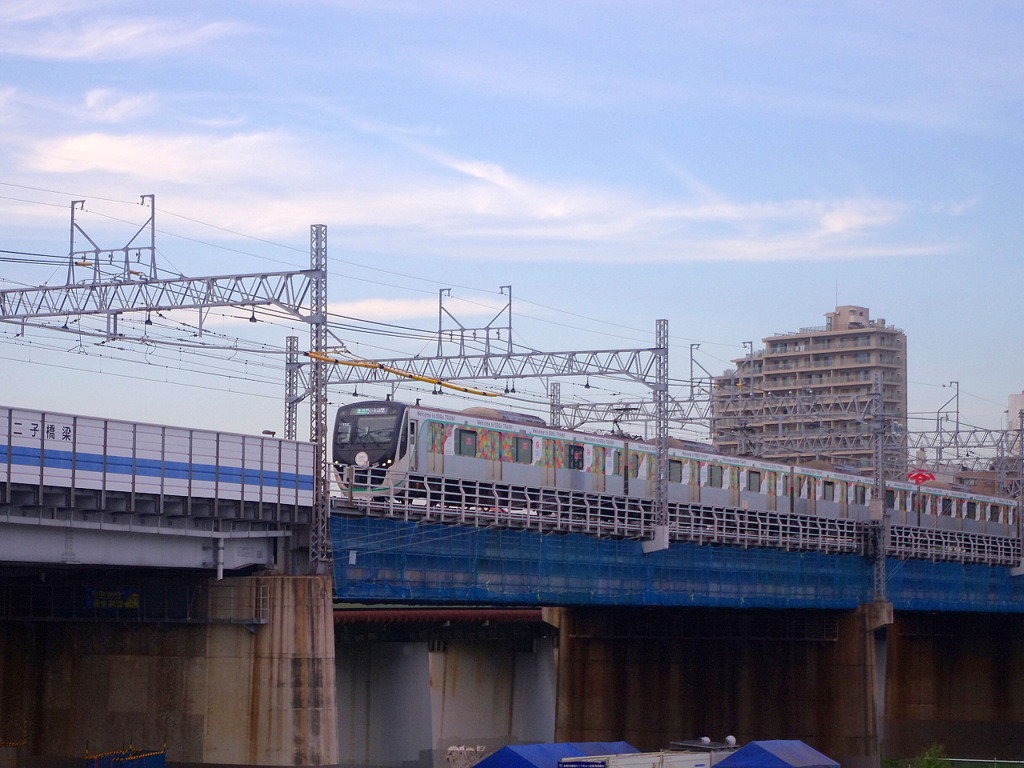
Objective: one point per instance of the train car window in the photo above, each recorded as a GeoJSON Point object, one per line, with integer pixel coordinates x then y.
{"type": "Point", "coordinates": [714, 476]}
{"type": "Point", "coordinates": [972, 510]}
{"type": "Point", "coordinates": [634, 465]}
{"type": "Point", "coordinates": [860, 495]}
{"type": "Point", "coordinates": [753, 481]}
{"type": "Point", "coordinates": [993, 513]}
{"type": "Point", "coordinates": [828, 490]}
{"type": "Point", "coordinates": [343, 432]}
{"type": "Point", "coordinates": [403, 441]}
{"type": "Point", "coordinates": [675, 471]}
{"type": "Point", "coordinates": [465, 442]}
{"type": "Point", "coordinates": [947, 506]}
{"type": "Point", "coordinates": [574, 456]}
{"type": "Point", "coordinates": [617, 463]}
{"type": "Point", "coordinates": [890, 499]}
{"type": "Point", "coordinates": [523, 450]}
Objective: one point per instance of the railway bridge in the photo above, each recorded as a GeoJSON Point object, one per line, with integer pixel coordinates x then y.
{"type": "Point", "coordinates": [156, 589]}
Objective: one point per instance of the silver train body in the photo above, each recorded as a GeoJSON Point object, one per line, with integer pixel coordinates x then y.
{"type": "Point", "coordinates": [378, 446]}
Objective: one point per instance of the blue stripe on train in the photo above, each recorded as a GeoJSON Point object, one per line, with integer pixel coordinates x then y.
{"type": "Point", "coordinates": [126, 465]}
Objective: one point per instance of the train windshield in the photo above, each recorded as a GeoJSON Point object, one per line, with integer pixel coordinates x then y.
{"type": "Point", "coordinates": [366, 431]}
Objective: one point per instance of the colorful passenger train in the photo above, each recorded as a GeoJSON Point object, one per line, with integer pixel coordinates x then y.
{"type": "Point", "coordinates": [384, 441]}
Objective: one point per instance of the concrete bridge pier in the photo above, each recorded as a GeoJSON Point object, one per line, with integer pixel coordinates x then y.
{"type": "Point", "coordinates": [214, 693]}
{"type": "Point", "coordinates": [406, 703]}
{"type": "Point", "coordinates": [957, 680]}
{"type": "Point", "coordinates": [655, 675]}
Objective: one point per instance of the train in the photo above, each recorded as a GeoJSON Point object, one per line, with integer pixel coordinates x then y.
{"type": "Point", "coordinates": [389, 449]}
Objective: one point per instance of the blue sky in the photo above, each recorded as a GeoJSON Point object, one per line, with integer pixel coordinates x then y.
{"type": "Point", "coordinates": [737, 168]}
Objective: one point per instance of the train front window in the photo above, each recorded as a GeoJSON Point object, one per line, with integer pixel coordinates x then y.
{"type": "Point", "coordinates": [367, 431]}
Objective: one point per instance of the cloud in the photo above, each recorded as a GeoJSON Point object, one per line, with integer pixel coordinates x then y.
{"type": "Point", "coordinates": [191, 159]}
{"type": "Point", "coordinates": [110, 38]}
{"type": "Point", "coordinates": [273, 183]}
{"type": "Point", "coordinates": [6, 98]}
{"type": "Point", "coordinates": [106, 106]}
{"type": "Point", "coordinates": [395, 310]}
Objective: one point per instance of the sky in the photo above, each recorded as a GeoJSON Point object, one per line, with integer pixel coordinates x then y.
{"type": "Point", "coordinates": [735, 168]}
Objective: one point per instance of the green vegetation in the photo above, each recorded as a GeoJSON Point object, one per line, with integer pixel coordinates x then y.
{"type": "Point", "coordinates": [932, 757]}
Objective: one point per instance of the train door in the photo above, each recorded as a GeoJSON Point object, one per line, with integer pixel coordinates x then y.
{"type": "Point", "coordinates": [768, 492]}
{"type": "Point", "coordinates": [798, 493]}
{"type": "Point", "coordinates": [572, 474]}
{"type": "Point", "coordinates": [550, 461]}
{"type": "Point", "coordinates": [694, 482]}
{"type": "Point", "coordinates": [598, 459]}
{"type": "Point", "coordinates": [435, 434]}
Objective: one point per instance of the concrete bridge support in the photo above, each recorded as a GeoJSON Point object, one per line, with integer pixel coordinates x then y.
{"type": "Point", "coordinates": [406, 703]}
{"type": "Point", "coordinates": [651, 676]}
{"type": "Point", "coordinates": [218, 693]}
{"type": "Point", "coordinates": [957, 680]}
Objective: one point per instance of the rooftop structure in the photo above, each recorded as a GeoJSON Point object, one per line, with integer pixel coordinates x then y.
{"type": "Point", "coordinates": [814, 394]}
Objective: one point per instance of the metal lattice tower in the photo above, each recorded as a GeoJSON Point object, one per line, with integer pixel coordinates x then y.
{"type": "Point", "coordinates": [660, 389]}
{"type": "Point", "coordinates": [319, 532]}
{"type": "Point", "coordinates": [292, 369]}
{"type": "Point", "coordinates": [880, 516]}
{"type": "Point", "coordinates": [555, 396]}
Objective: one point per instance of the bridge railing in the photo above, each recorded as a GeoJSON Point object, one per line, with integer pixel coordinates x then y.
{"type": "Point", "coordinates": [434, 498]}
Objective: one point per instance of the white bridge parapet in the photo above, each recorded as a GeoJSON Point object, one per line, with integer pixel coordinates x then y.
{"type": "Point", "coordinates": [78, 489]}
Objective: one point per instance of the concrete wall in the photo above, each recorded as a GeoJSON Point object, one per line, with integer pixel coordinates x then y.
{"type": "Point", "coordinates": [403, 704]}
{"type": "Point", "coordinates": [956, 680]}
{"type": "Point", "coordinates": [651, 676]}
{"type": "Point", "coordinates": [214, 694]}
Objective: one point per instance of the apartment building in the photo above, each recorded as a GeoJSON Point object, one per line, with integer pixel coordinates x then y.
{"type": "Point", "coordinates": [809, 395]}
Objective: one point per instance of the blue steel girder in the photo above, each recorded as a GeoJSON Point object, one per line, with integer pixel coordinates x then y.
{"type": "Point", "coordinates": [287, 290]}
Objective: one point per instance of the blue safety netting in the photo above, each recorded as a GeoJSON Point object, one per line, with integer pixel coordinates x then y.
{"type": "Point", "coordinates": [379, 559]}
{"type": "Point", "coordinates": [389, 560]}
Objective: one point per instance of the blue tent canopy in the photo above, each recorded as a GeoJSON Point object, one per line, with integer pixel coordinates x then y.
{"type": "Point", "coordinates": [780, 753]}
{"type": "Point", "coordinates": [548, 755]}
